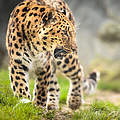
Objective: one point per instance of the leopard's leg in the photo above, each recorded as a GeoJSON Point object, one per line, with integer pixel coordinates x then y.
{"type": "Point", "coordinates": [70, 66]}
{"type": "Point", "coordinates": [46, 92]}
{"type": "Point", "coordinates": [43, 73]}
{"type": "Point", "coordinates": [19, 76]}
{"type": "Point", "coordinates": [40, 93]}
{"type": "Point", "coordinates": [40, 90]}
{"type": "Point", "coordinates": [54, 90]}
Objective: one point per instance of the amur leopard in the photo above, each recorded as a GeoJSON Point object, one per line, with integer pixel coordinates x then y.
{"type": "Point", "coordinates": [41, 38]}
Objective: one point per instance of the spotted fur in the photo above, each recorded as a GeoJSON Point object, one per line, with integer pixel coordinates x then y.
{"type": "Point", "coordinates": [41, 38]}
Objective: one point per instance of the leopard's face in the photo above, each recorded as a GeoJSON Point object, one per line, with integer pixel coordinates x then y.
{"type": "Point", "coordinates": [59, 33]}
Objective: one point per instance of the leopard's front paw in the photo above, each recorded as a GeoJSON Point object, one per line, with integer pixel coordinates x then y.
{"type": "Point", "coordinates": [74, 102]}
{"type": "Point", "coordinates": [52, 107]}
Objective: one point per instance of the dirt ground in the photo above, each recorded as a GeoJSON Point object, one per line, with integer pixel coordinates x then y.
{"type": "Point", "coordinates": [112, 97]}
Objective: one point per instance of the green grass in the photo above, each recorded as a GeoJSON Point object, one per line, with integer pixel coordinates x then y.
{"type": "Point", "coordinates": [11, 109]}
{"type": "Point", "coordinates": [64, 87]}
{"type": "Point", "coordinates": [99, 111]}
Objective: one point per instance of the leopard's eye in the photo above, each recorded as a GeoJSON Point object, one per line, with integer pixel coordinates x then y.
{"type": "Point", "coordinates": [73, 50]}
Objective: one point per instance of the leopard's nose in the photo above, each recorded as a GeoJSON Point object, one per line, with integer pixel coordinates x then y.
{"type": "Point", "coordinates": [60, 52]}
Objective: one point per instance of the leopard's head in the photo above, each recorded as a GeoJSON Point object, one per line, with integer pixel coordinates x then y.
{"type": "Point", "coordinates": [59, 34]}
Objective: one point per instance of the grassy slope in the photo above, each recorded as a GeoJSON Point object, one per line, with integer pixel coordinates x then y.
{"type": "Point", "coordinates": [11, 110]}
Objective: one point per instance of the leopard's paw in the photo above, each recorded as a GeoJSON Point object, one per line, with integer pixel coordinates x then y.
{"type": "Point", "coordinates": [74, 102]}
{"type": "Point", "coordinates": [52, 107]}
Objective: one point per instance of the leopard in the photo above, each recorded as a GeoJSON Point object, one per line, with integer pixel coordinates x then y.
{"type": "Point", "coordinates": [40, 39]}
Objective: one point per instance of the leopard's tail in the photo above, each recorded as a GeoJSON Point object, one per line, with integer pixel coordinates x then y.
{"type": "Point", "coordinates": [90, 83]}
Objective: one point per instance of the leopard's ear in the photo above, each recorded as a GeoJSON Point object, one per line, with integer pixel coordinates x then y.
{"type": "Point", "coordinates": [50, 17]}
{"type": "Point", "coordinates": [61, 7]}
{"type": "Point", "coordinates": [41, 2]}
